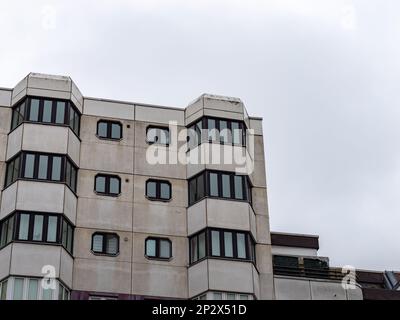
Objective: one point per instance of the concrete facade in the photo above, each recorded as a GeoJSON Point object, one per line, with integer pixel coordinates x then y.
{"type": "Point", "coordinates": [130, 216]}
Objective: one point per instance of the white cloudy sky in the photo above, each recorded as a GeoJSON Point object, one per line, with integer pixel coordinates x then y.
{"type": "Point", "coordinates": [324, 75]}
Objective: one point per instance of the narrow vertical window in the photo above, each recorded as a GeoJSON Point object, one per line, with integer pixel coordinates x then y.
{"type": "Point", "coordinates": [43, 164]}
{"type": "Point", "coordinates": [241, 245]}
{"type": "Point", "coordinates": [151, 190]}
{"type": "Point", "coordinates": [226, 186]}
{"type": "Point", "coordinates": [239, 187]}
{"type": "Point", "coordinates": [56, 169]}
{"type": "Point", "coordinates": [116, 131]}
{"type": "Point", "coordinates": [29, 165]}
{"type": "Point", "coordinates": [165, 247]}
{"type": "Point", "coordinates": [193, 249]}
{"type": "Point", "coordinates": [23, 226]}
{"type": "Point", "coordinates": [202, 245]}
{"type": "Point", "coordinates": [60, 113]}
{"type": "Point", "coordinates": [34, 110]}
{"type": "Point", "coordinates": [97, 243]}
{"type": "Point", "coordinates": [215, 244]}
{"type": "Point", "coordinates": [101, 184]}
{"type": "Point", "coordinates": [165, 191]}
{"type": "Point", "coordinates": [228, 244]}
{"type": "Point", "coordinates": [47, 110]}
{"type": "Point", "coordinates": [33, 289]}
{"type": "Point", "coordinates": [114, 185]}
{"type": "Point", "coordinates": [212, 130]}
{"type": "Point", "coordinates": [18, 289]}
{"type": "Point", "coordinates": [38, 228]}
{"type": "Point", "coordinates": [213, 184]}
{"type": "Point", "coordinates": [52, 229]}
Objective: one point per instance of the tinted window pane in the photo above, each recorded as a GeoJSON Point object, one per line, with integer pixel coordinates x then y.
{"type": "Point", "coordinates": [60, 112]}
{"type": "Point", "coordinates": [151, 247]}
{"type": "Point", "coordinates": [10, 229]}
{"type": "Point", "coordinates": [193, 249]}
{"type": "Point", "coordinates": [3, 234]}
{"type": "Point", "coordinates": [18, 289]}
{"type": "Point", "coordinates": [228, 244]}
{"type": "Point", "coordinates": [64, 233]}
{"type": "Point", "coordinates": [70, 234]}
{"type": "Point", "coordinates": [47, 294]}
{"type": "Point", "coordinates": [212, 130]}
{"type": "Point", "coordinates": [33, 289]}
{"type": "Point", "coordinates": [226, 186]}
{"type": "Point", "coordinates": [200, 186]}
{"type": "Point", "coordinates": [97, 243]}
{"type": "Point", "coordinates": [38, 228]}
{"type": "Point", "coordinates": [4, 290]}
{"type": "Point", "coordinates": [165, 247]}
{"type": "Point", "coordinates": [241, 245]}
{"type": "Point", "coordinates": [16, 166]}
{"type": "Point", "coordinates": [223, 131]}
{"type": "Point", "coordinates": [34, 111]}
{"type": "Point", "coordinates": [192, 191]}
{"type": "Point", "coordinates": [152, 135]}
{"type": "Point", "coordinates": [236, 133]}
{"type": "Point", "coordinates": [114, 185]}
{"type": "Point", "coordinates": [23, 227]}
{"type": "Point", "coordinates": [202, 245]}
{"type": "Point", "coordinates": [115, 131]}
{"type": "Point", "coordinates": [239, 187]}
{"type": "Point", "coordinates": [213, 184]}
{"type": "Point", "coordinates": [230, 296]}
{"type": "Point", "coordinates": [217, 296]}
{"type": "Point", "coordinates": [29, 165]}
{"type": "Point", "coordinates": [72, 182]}
{"type": "Point", "coordinates": [102, 129]}
{"type": "Point", "coordinates": [112, 244]}
{"type": "Point", "coordinates": [244, 297]}
{"type": "Point", "coordinates": [101, 184]}
{"type": "Point", "coordinates": [56, 170]}
{"type": "Point", "coordinates": [215, 243]}
{"type": "Point", "coordinates": [47, 109]}
{"type": "Point", "coordinates": [165, 191]}
{"type": "Point", "coordinates": [43, 161]}
{"type": "Point", "coordinates": [151, 189]}
{"type": "Point", "coordinates": [52, 229]}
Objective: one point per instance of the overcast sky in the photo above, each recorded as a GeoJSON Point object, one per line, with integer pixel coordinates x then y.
{"type": "Point", "coordinates": [324, 75]}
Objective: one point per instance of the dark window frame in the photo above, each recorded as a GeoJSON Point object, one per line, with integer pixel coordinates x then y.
{"type": "Point", "coordinates": [16, 216]}
{"type": "Point", "coordinates": [157, 253]}
{"type": "Point", "coordinates": [157, 142]}
{"type": "Point", "coordinates": [249, 245]}
{"type": "Point", "coordinates": [68, 110]}
{"type": "Point", "coordinates": [158, 190]}
{"type": "Point", "coordinates": [65, 161]}
{"type": "Point", "coordinates": [107, 185]}
{"type": "Point", "coordinates": [106, 236]}
{"type": "Point", "coordinates": [109, 124]}
{"type": "Point", "coordinates": [205, 133]}
{"type": "Point", "coordinates": [246, 187]}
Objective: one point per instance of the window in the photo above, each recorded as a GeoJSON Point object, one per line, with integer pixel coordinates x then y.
{"type": "Point", "coordinates": [108, 185]}
{"type": "Point", "coordinates": [222, 131]}
{"type": "Point", "coordinates": [63, 292]}
{"type": "Point", "coordinates": [158, 190]}
{"type": "Point", "coordinates": [109, 130]}
{"type": "Point", "coordinates": [105, 243]}
{"type": "Point", "coordinates": [3, 290]}
{"type": "Point", "coordinates": [225, 185]}
{"type": "Point", "coordinates": [36, 227]}
{"type": "Point", "coordinates": [157, 135]}
{"type": "Point", "coordinates": [212, 295]}
{"type": "Point", "coordinates": [46, 110]}
{"type": "Point", "coordinates": [46, 167]}
{"type": "Point", "coordinates": [158, 248]}
{"type": "Point", "coordinates": [7, 230]}
{"type": "Point", "coordinates": [227, 244]}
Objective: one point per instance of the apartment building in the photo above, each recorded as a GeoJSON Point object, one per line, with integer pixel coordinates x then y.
{"type": "Point", "coordinates": [96, 201]}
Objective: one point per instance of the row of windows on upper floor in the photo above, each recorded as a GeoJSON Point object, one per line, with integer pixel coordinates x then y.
{"type": "Point", "coordinates": [59, 168]}
{"type": "Point", "coordinates": [34, 227]}
{"type": "Point", "coordinates": [37, 228]}
{"type": "Point", "coordinates": [41, 167]}
{"type": "Point", "coordinates": [63, 112]}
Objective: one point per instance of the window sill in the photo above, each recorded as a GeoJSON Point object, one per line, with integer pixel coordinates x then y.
{"type": "Point", "coordinates": [104, 254]}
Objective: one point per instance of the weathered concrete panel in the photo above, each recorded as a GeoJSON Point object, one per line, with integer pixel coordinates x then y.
{"type": "Point", "coordinates": [159, 280]}
{"type": "Point", "coordinates": [198, 278]}
{"type": "Point", "coordinates": [102, 276]}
